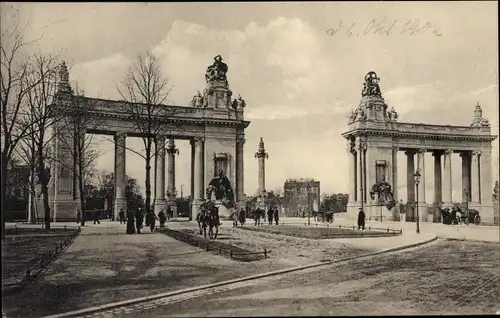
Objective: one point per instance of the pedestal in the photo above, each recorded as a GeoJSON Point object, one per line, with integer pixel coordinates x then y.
{"type": "Point", "coordinates": [223, 211]}
{"type": "Point", "coordinates": [402, 217]}
{"type": "Point", "coordinates": [173, 206]}
{"type": "Point", "coordinates": [120, 203]}
{"type": "Point", "coordinates": [195, 206]}
{"type": "Point", "coordinates": [160, 204]}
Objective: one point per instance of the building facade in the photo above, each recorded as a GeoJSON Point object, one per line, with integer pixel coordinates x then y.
{"type": "Point", "coordinates": [300, 196]}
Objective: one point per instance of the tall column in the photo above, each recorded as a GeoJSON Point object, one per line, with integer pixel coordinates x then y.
{"type": "Point", "coordinates": [159, 202]}
{"type": "Point", "coordinates": [447, 179]}
{"type": "Point", "coordinates": [395, 177]}
{"type": "Point", "coordinates": [422, 203]}
{"type": "Point", "coordinates": [475, 179]}
{"type": "Point", "coordinates": [352, 174]}
{"type": "Point", "coordinates": [262, 155]}
{"type": "Point", "coordinates": [240, 182]}
{"type": "Point", "coordinates": [438, 194]}
{"type": "Point", "coordinates": [171, 151]}
{"type": "Point", "coordinates": [361, 148]}
{"type": "Point", "coordinates": [465, 176]}
{"type": "Point", "coordinates": [120, 167]}
{"type": "Point", "coordinates": [410, 185]}
{"type": "Point", "coordinates": [198, 191]}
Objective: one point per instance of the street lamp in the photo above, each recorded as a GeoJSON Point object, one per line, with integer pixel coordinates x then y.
{"type": "Point", "coordinates": [417, 176]}
{"type": "Point", "coordinates": [308, 204]}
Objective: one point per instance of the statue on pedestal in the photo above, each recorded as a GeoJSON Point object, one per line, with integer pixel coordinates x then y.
{"type": "Point", "coordinates": [197, 100]}
{"type": "Point", "coordinates": [220, 188]}
{"type": "Point", "coordinates": [370, 86]}
{"type": "Point", "coordinates": [384, 192]}
{"type": "Point", "coordinates": [217, 71]}
{"type": "Point", "coordinates": [239, 103]}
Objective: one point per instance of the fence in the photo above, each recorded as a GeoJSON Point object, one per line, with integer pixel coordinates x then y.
{"type": "Point", "coordinates": [220, 248]}
{"type": "Point", "coordinates": [351, 227]}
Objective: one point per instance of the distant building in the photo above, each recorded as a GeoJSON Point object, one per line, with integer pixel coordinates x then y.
{"type": "Point", "coordinates": [296, 201]}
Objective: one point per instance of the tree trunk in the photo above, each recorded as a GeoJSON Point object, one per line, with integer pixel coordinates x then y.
{"type": "Point", "coordinates": [4, 189]}
{"type": "Point", "coordinates": [148, 178]}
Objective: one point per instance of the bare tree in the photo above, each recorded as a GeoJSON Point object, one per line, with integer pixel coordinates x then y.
{"type": "Point", "coordinates": [145, 90]}
{"type": "Point", "coordinates": [36, 146]}
{"type": "Point", "coordinates": [15, 68]}
{"type": "Point", "coordinates": [77, 145]}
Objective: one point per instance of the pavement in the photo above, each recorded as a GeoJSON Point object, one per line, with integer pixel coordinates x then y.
{"type": "Point", "coordinates": [470, 232]}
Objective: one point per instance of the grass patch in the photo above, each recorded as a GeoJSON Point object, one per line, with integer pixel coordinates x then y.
{"type": "Point", "coordinates": [320, 232]}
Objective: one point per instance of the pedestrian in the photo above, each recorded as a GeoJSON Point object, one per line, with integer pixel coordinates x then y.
{"type": "Point", "coordinates": [96, 216]}
{"type": "Point", "coordinates": [270, 216]}
{"type": "Point", "coordinates": [138, 221]}
{"type": "Point", "coordinates": [242, 217]}
{"type": "Point", "coordinates": [78, 216]}
{"type": "Point", "coordinates": [148, 218]}
{"type": "Point", "coordinates": [130, 222]}
{"type": "Point", "coordinates": [276, 215]}
{"type": "Point", "coordinates": [152, 221]}
{"type": "Point", "coordinates": [256, 216]}
{"type": "Point", "coordinates": [121, 215]}
{"type": "Point", "coordinates": [361, 219]}
{"type": "Point", "coordinates": [162, 217]}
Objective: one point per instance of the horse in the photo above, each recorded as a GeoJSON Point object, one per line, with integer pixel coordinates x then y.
{"type": "Point", "coordinates": [208, 218]}
{"type": "Point", "coordinates": [234, 217]}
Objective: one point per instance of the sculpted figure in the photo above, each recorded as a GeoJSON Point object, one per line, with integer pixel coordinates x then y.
{"type": "Point", "coordinates": [217, 71]}
{"type": "Point", "coordinates": [197, 100]}
{"type": "Point", "coordinates": [495, 191]}
{"type": "Point", "coordinates": [220, 187]}
{"type": "Point", "coordinates": [371, 87]}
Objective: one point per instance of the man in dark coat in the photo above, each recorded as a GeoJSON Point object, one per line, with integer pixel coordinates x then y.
{"type": "Point", "coordinates": [270, 213]}
{"type": "Point", "coordinates": [276, 215]}
{"type": "Point", "coordinates": [361, 219]}
{"type": "Point", "coordinates": [138, 220]}
{"type": "Point", "coordinates": [121, 215]}
{"type": "Point", "coordinates": [96, 216]}
{"type": "Point", "coordinates": [130, 222]}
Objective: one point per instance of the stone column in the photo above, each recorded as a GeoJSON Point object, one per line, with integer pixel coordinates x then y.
{"type": "Point", "coordinates": [422, 203]}
{"type": "Point", "coordinates": [410, 184]}
{"type": "Point", "coordinates": [475, 179]}
{"type": "Point", "coordinates": [352, 173]}
{"type": "Point", "coordinates": [198, 188]}
{"type": "Point", "coordinates": [171, 151]}
{"type": "Point", "coordinates": [240, 182]}
{"type": "Point", "coordinates": [465, 176]}
{"type": "Point", "coordinates": [395, 178]}
{"type": "Point", "coordinates": [261, 155]}
{"type": "Point", "coordinates": [361, 148]}
{"type": "Point", "coordinates": [438, 194]}
{"type": "Point", "coordinates": [159, 202]}
{"type": "Point", "coordinates": [120, 167]}
{"type": "Point", "coordinates": [447, 179]}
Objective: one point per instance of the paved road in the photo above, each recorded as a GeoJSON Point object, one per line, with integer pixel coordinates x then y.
{"type": "Point", "coordinates": [448, 277]}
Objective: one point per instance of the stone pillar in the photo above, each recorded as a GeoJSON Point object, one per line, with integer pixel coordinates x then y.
{"type": "Point", "coordinates": [191, 185]}
{"type": "Point", "coordinates": [395, 179]}
{"type": "Point", "coordinates": [475, 177]}
{"type": "Point", "coordinates": [120, 167]}
{"type": "Point", "coordinates": [410, 184]}
{"type": "Point", "coordinates": [240, 182]}
{"type": "Point", "coordinates": [352, 173]}
{"type": "Point", "coordinates": [438, 194]}
{"type": "Point", "coordinates": [465, 176]}
{"type": "Point", "coordinates": [361, 148]}
{"type": "Point", "coordinates": [447, 179]}
{"type": "Point", "coordinates": [422, 203]}
{"type": "Point", "coordinates": [159, 202]}
{"type": "Point", "coordinates": [261, 155]}
{"type": "Point", "coordinates": [198, 189]}
{"type": "Point", "coordinates": [171, 151]}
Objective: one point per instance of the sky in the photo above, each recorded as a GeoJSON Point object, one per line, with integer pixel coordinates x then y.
{"type": "Point", "coordinates": [299, 66]}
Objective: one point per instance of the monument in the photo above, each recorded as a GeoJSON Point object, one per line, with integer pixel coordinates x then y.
{"type": "Point", "coordinates": [213, 123]}
{"type": "Point", "coordinates": [261, 156]}
{"type": "Point", "coordinates": [221, 193]}
{"type": "Point", "coordinates": [375, 136]}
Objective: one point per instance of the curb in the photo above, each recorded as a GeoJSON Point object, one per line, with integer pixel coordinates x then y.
{"type": "Point", "coordinates": [466, 240]}
{"type": "Point", "coordinates": [228, 282]}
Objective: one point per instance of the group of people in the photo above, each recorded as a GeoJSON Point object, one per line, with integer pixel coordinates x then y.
{"type": "Point", "coordinates": [453, 216]}
{"type": "Point", "coordinates": [134, 221]}
{"type": "Point", "coordinates": [272, 213]}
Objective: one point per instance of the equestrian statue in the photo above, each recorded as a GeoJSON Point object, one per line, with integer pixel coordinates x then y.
{"type": "Point", "coordinates": [384, 193]}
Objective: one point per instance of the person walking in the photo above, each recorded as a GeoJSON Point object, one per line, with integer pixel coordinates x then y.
{"type": "Point", "coordinates": [121, 215]}
{"type": "Point", "coordinates": [361, 219]}
{"type": "Point", "coordinates": [138, 220]}
{"type": "Point", "coordinates": [276, 215]}
{"type": "Point", "coordinates": [96, 216]}
{"type": "Point", "coordinates": [162, 217]}
{"type": "Point", "coordinates": [152, 221]}
{"type": "Point", "coordinates": [130, 222]}
{"type": "Point", "coordinates": [242, 217]}
{"type": "Point", "coordinates": [270, 213]}
{"type": "Point", "coordinates": [78, 216]}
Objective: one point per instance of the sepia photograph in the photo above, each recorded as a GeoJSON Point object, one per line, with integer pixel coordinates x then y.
{"type": "Point", "coordinates": [234, 159]}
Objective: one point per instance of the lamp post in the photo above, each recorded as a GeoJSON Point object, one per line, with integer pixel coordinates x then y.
{"type": "Point", "coordinates": [308, 204]}
{"type": "Point", "coordinates": [417, 176]}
